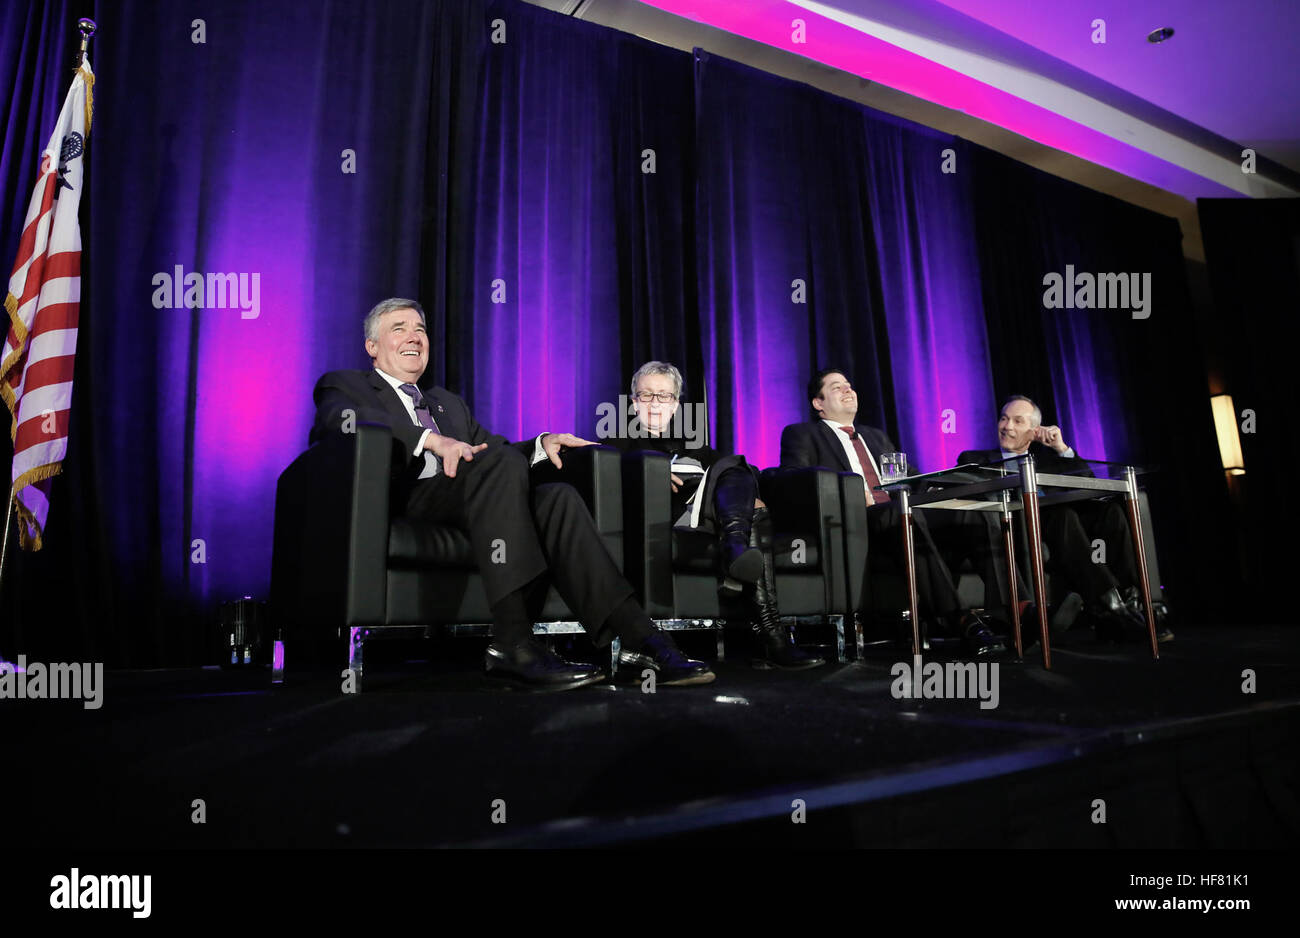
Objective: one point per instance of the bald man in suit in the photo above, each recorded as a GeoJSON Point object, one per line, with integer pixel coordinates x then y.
{"type": "Point", "coordinates": [1109, 589]}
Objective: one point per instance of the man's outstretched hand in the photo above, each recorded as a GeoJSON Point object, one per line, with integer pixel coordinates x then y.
{"type": "Point", "coordinates": [451, 451]}
{"type": "Point", "coordinates": [551, 443]}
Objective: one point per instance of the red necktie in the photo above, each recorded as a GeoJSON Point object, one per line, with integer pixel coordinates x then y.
{"type": "Point", "coordinates": [868, 472]}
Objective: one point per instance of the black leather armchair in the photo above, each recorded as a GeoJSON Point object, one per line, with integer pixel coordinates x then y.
{"type": "Point", "coordinates": [674, 571]}
{"type": "Point", "coordinates": [347, 564]}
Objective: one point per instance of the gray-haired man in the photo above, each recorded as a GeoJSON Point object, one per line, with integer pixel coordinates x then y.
{"type": "Point", "coordinates": [1068, 530]}
{"type": "Point", "coordinates": [456, 473]}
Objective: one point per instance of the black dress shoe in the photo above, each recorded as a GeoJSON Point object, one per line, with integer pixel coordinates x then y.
{"type": "Point", "coordinates": [660, 653]}
{"type": "Point", "coordinates": [978, 640]}
{"type": "Point", "coordinates": [530, 664]}
{"type": "Point", "coordinates": [1133, 601]}
{"type": "Point", "coordinates": [1116, 622]}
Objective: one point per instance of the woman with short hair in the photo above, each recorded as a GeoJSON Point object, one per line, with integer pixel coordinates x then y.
{"type": "Point", "coordinates": [718, 493]}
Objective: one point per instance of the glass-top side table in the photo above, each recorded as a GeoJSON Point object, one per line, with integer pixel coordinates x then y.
{"type": "Point", "coordinates": [1011, 485]}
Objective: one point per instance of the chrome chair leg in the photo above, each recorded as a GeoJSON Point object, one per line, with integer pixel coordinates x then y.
{"type": "Point", "coordinates": [356, 643]}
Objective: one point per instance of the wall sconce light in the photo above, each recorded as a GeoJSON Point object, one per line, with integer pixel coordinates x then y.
{"type": "Point", "coordinates": [1225, 425]}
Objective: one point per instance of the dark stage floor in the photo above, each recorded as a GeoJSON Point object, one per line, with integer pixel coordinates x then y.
{"type": "Point", "coordinates": [1180, 756]}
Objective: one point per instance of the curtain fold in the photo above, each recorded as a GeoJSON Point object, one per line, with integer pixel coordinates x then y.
{"type": "Point", "coordinates": [544, 293]}
{"type": "Point", "coordinates": [924, 232]}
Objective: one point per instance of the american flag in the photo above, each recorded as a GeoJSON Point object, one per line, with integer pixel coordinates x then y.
{"type": "Point", "coordinates": [43, 300]}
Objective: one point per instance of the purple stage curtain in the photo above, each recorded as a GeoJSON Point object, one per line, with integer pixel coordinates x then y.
{"type": "Point", "coordinates": [924, 228]}
{"type": "Point", "coordinates": [1082, 366]}
{"type": "Point", "coordinates": [344, 152]}
{"type": "Point", "coordinates": [580, 248]}
{"type": "Point", "coordinates": [225, 155]}
{"type": "Point", "coordinates": [801, 188]}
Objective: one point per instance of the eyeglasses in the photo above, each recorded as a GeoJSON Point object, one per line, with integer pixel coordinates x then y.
{"type": "Point", "coordinates": [663, 397]}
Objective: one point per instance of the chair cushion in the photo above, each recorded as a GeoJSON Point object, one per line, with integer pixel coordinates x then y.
{"type": "Point", "coordinates": [414, 543]}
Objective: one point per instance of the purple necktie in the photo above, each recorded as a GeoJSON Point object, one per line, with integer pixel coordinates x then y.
{"type": "Point", "coordinates": [421, 408]}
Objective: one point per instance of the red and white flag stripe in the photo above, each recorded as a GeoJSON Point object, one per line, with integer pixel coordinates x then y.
{"type": "Point", "coordinates": [36, 363]}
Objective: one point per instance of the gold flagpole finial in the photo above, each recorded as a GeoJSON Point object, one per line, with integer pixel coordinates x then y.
{"type": "Point", "coordinates": [86, 27]}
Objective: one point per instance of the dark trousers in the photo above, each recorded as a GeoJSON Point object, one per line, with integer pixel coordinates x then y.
{"type": "Point", "coordinates": [977, 536]}
{"type": "Point", "coordinates": [1069, 532]}
{"type": "Point", "coordinates": [526, 538]}
{"type": "Point", "coordinates": [935, 590]}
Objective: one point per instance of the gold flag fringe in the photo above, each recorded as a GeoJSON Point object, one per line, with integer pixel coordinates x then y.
{"type": "Point", "coordinates": [90, 96]}
{"type": "Point", "coordinates": [26, 519]}
{"type": "Point", "coordinates": [20, 332]}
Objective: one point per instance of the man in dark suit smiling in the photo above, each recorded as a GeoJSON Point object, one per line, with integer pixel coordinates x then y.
{"type": "Point", "coordinates": [1069, 530]}
{"type": "Point", "coordinates": [453, 471]}
{"type": "Point", "coordinates": [835, 441]}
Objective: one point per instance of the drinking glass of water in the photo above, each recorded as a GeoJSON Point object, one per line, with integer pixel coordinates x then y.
{"type": "Point", "coordinates": [893, 466]}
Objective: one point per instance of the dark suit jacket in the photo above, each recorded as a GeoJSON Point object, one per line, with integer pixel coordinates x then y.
{"type": "Point", "coordinates": [816, 444]}
{"type": "Point", "coordinates": [1045, 459]}
{"type": "Point", "coordinates": [374, 400]}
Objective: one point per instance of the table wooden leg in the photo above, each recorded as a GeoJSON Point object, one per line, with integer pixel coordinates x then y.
{"type": "Point", "coordinates": [1139, 552]}
{"type": "Point", "coordinates": [1034, 530]}
{"type": "Point", "coordinates": [1009, 544]}
{"type": "Point", "coordinates": [909, 552]}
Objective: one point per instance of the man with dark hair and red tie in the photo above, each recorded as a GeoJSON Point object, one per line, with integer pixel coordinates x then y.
{"type": "Point", "coordinates": [834, 441]}
{"type": "Point", "coordinates": [450, 470]}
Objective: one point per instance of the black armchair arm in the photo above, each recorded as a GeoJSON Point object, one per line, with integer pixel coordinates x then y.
{"type": "Point", "coordinates": [647, 526]}
{"type": "Point", "coordinates": [331, 531]}
{"type": "Point", "coordinates": [853, 494]}
{"type": "Point", "coordinates": [595, 472]}
{"type": "Point", "coordinates": [806, 502]}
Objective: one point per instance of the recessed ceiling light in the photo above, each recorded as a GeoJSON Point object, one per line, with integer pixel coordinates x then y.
{"type": "Point", "coordinates": [1160, 35]}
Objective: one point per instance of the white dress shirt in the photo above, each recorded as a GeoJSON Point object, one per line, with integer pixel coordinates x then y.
{"type": "Point", "coordinates": [852, 451]}
{"type": "Point", "coordinates": [432, 463]}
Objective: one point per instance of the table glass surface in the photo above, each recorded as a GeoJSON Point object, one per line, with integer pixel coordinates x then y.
{"type": "Point", "coordinates": [973, 486]}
